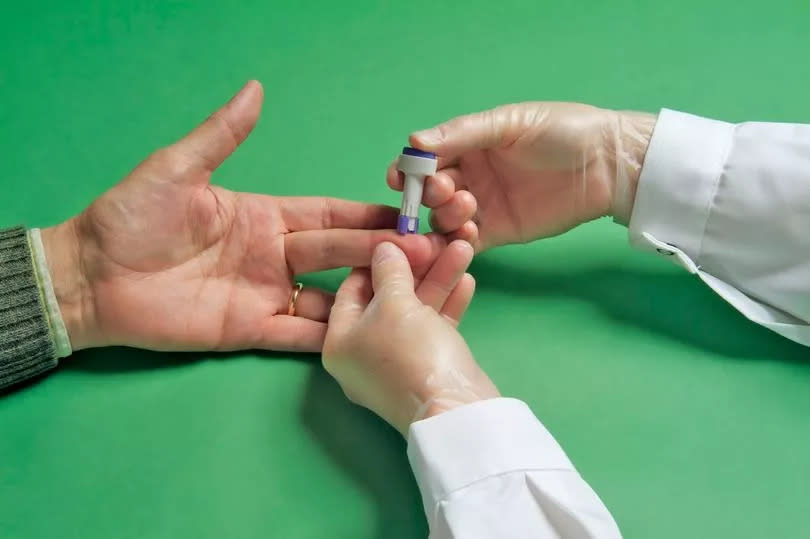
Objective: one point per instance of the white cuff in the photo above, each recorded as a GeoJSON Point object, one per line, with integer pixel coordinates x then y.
{"type": "Point", "coordinates": [678, 182]}
{"type": "Point", "coordinates": [473, 442]}
{"type": "Point", "coordinates": [59, 334]}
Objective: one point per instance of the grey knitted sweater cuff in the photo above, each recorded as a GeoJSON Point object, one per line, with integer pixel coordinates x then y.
{"type": "Point", "coordinates": [27, 341]}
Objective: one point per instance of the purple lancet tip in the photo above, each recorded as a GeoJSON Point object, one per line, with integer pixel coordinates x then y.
{"type": "Point", "coordinates": [408, 225]}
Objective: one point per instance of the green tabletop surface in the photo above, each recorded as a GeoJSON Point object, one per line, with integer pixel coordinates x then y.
{"type": "Point", "coordinates": [688, 420]}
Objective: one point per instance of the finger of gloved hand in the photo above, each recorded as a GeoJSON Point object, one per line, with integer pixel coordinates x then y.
{"type": "Point", "coordinates": [435, 289]}
{"type": "Point", "coordinates": [454, 213]}
{"type": "Point", "coordinates": [314, 304]}
{"type": "Point", "coordinates": [390, 270]}
{"type": "Point", "coordinates": [393, 178]}
{"type": "Point", "coordinates": [314, 213]}
{"type": "Point", "coordinates": [292, 334]}
{"type": "Point", "coordinates": [451, 139]}
{"type": "Point", "coordinates": [351, 300]}
{"type": "Point", "coordinates": [210, 143]}
{"type": "Point", "coordinates": [438, 243]}
{"type": "Point", "coordinates": [467, 232]}
{"type": "Point", "coordinates": [439, 188]}
{"type": "Point", "coordinates": [318, 250]}
{"type": "Point", "coordinates": [459, 300]}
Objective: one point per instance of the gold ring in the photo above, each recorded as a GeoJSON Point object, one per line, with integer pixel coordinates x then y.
{"type": "Point", "coordinates": [293, 298]}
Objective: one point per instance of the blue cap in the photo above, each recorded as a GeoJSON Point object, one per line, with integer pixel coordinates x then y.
{"type": "Point", "coordinates": [407, 150]}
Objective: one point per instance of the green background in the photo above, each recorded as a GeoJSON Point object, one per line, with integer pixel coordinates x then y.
{"type": "Point", "coordinates": [688, 420]}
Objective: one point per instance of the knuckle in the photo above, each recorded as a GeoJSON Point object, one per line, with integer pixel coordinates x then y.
{"type": "Point", "coordinates": [391, 307]}
{"type": "Point", "coordinates": [327, 251]}
{"type": "Point", "coordinates": [351, 395]}
{"type": "Point", "coordinates": [224, 127]}
{"type": "Point", "coordinates": [327, 208]}
{"type": "Point", "coordinates": [443, 131]}
{"type": "Point", "coordinates": [494, 122]}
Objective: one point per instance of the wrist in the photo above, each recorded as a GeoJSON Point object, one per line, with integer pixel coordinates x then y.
{"type": "Point", "coordinates": [629, 138]}
{"type": "Point", "coordinates": [440, 406]}
{"type": "Point", "coordinates": [449, 398]}
{"type": "Point", "coordinates": [63, 249]}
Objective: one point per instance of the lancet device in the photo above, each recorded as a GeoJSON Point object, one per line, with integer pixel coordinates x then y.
{"type": "Point", "coordinates": [415, 165]}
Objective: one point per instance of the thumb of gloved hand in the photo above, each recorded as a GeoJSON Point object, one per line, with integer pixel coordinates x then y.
{"type": "Point", "coordinates": [478, 131]}
{"type": "Point", "coordinates": [390, 271]}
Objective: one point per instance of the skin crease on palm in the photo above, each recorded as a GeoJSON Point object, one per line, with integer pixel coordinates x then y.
{"type": "Point", "coordinates": [531, 170]}
{"type": "Point", "coordinates": [164, 260]}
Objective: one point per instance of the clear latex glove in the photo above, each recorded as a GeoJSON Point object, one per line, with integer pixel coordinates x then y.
{"type": "Point", "coordinates": [521, 172]}
{"type": "Point", "coordinates": [392, 343]}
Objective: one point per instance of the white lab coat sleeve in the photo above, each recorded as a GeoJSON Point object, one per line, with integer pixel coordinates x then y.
{"type": "Point", "coordinates": [731, 203]}
{"type": "Point", "coordinates": [490, 470]}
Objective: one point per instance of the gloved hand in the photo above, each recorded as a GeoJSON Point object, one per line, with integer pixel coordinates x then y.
{"type": "Point", "coordinates": [392, 343]}
{"type": "Point", "coordinates": [534, 169]}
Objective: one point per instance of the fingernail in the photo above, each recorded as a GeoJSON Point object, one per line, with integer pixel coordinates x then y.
{"type": "Point", "coordinates": [464, 245]}
{"type": "Point", "coordinates": [428, 137]}
{"type": "Point", "coordinates": [241, 93]}
{"type": "Point", "coordinates": [430, 191]}
{"type": "Point", "coordinates": [385, 251]}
